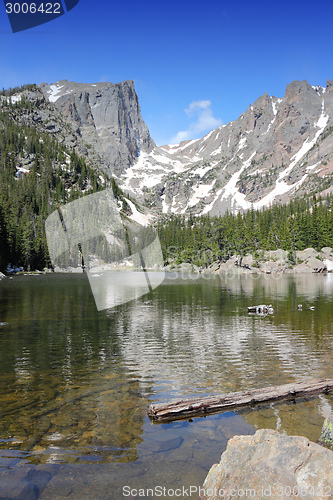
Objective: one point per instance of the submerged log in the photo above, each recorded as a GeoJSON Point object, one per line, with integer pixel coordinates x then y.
{"type": "Point", "coordinates": [202, 406]}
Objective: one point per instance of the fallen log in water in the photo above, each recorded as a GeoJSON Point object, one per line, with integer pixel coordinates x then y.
{"type": "Point", "coordinates": [202, 406]}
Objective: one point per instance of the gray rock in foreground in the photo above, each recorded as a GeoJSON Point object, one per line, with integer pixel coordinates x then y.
{"type": "Point", "coordinates": [271, 465]}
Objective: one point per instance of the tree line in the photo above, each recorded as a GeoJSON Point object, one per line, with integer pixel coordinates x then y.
{"type": "Point", "coordinates": [300, 224]}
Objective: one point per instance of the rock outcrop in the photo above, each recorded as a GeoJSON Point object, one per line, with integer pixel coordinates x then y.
{"type": "Point", "coordinates": [270, 465]}
{"type": "Point", "coordinates": [106, 117]}
{"type": "Point", "coordinates": [277, 261]}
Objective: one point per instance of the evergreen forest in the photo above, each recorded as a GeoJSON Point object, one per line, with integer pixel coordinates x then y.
{"type": "Point", "coordinates": [300, 224]}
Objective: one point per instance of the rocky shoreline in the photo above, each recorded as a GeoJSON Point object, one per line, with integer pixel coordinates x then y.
{"type": "Point", "coordinates": [267, 262]}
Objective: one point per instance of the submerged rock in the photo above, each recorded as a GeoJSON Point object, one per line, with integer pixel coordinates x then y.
{"type": "Point", "coordinates": [270, 465]}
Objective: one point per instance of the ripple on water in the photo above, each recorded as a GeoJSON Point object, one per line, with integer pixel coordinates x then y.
{"type": "Point", "coordinates": [75, 384]}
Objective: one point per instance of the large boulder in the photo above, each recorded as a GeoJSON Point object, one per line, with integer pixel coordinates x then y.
{"type": "Point", "coordinates": [279, 256]}
{"type": "Point", "coordinates": [328, 264]}
{"type": "Point", "coordinates": [270, 465]}
{"type": "Point", "coordinates": [247, 260]}
{"type": "Point", "coordinates": [327, 252]}
{"type": "Point", "coordinates": [316, 264]}
{"type": "Point", "coordinates": [313, 265]}
{"type": "Point", "coordinates": [270, 267]}
{"type": "Point", "coordinates": [306, 254]}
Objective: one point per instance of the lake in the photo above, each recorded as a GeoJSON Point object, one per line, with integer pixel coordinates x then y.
{"type": "Point", "coordinates": [76, 383]}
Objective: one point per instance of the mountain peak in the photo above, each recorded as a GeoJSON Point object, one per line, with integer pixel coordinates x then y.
{"type": "Point", "coordinates": [267, 155]}
{"type": "Point", "coordinates": [277, 149]}
{"type": "Point", "coordinates": [298, 86]}
{"type": "Point", "coordinates": [329, 85]}
{"type": "Point", "coordinates": [106, 116]}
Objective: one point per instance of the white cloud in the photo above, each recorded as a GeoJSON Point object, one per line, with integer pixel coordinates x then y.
{"type": "Point", "coordinates": [204, 121]}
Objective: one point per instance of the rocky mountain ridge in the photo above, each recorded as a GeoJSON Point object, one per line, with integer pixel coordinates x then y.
{"type": "Point", "coordinates": [277, 149]}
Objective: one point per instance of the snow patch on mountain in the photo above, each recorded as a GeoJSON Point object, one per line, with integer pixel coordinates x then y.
{"type": "Point", "coordinates": [242, 143]}
{"type": "Point", "coordinates": [230, 189]}
{"type": "Point", "coordinates": [137, 216]}
{"type": "Point", "coordinates": [15, 98]}
{"type": "Point", "coordinates": [320, 90]}
{"type": "Point", "coordinates": [217, 151]}
{"type": "Point", "coordinates": [210, 206]}
{"type": "Point", "coordinates": [54, 91]}
{"type": "Point", "coordinates": [200, 192]}
{"type": "Point", "coordinates": [274, 105]}
{"type": "Point", "coordinates": [175, 165]}
{"type": "Point", "coordinates": [203, 170]}
{"type": "Point", "coordinates": [312, 167]}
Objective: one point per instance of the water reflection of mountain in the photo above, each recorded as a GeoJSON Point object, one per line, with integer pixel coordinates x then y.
{"type": "Point", "coordinates": [279, 285]}
{"type": "Point", "coordinates": [92, 374]}
{"type": "Point", "coordinates": [64, 392]}
{"type": "Point", "coordinates": [198, 338]}
{"type": "Point", "coordinates": [75, 383]}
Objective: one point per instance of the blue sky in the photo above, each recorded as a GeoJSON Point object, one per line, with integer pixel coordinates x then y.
{"type": "Point", "coordinates": [195, 65]}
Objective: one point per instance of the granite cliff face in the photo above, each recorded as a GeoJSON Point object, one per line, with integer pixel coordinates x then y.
{"type": "Point", "coordinates": [277, 149]}
{"type": "Point", "coordinates": [106, 117]}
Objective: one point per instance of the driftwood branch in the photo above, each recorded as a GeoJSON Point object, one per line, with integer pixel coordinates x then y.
{"type": "Point", "coordinates": [202, 406]}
